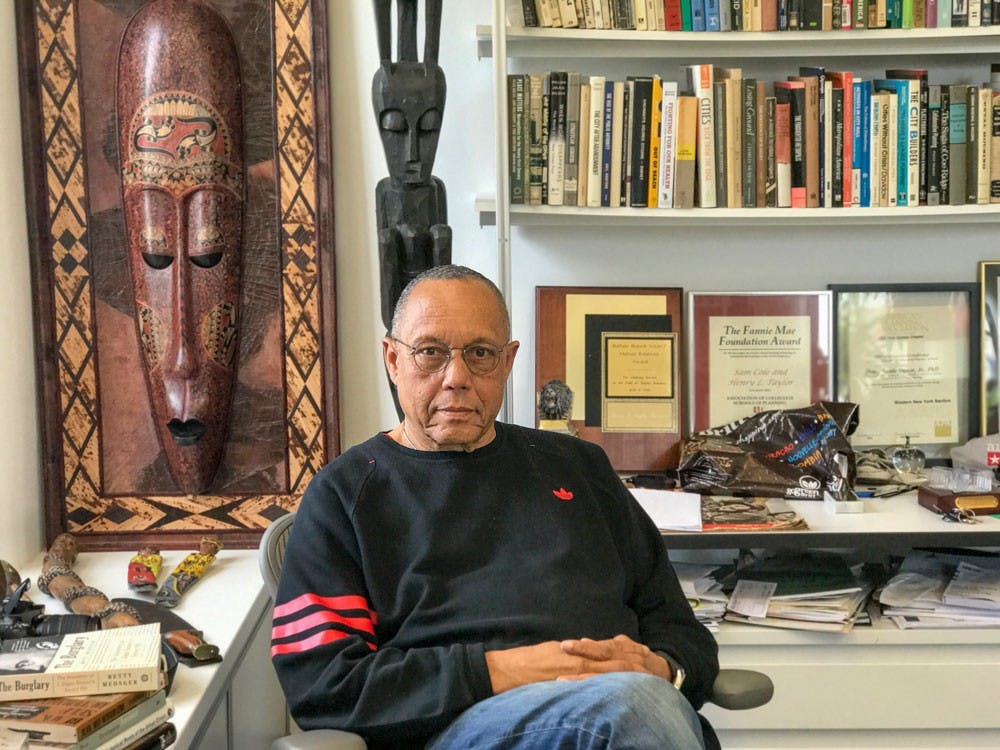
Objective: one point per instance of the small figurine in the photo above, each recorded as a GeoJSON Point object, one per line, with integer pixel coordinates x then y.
{"type": "Point", "coordinates": [187, 573]}
{"type": "Point", "coordinates": [555, 404]}
{"type": "Point", "coordinates": [143, 569]}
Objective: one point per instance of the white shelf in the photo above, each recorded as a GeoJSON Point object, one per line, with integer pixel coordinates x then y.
{"type": "Point", "coordinates": [522, 215]}
{"type": "Point", "coordinates": [575, 43]}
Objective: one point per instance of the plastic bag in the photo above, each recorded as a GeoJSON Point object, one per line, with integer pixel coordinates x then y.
{"type": "Point", "coordinates": [796, 454]}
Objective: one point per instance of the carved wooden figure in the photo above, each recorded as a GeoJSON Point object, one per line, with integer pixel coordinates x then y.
{"type": "Point", "coordinates": [180, 138]}
{"type": "Point", "coordinates": [408, 97]}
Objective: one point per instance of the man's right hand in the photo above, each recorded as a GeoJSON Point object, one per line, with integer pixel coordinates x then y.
{"type": "Point", "coordinates": [552, 660]}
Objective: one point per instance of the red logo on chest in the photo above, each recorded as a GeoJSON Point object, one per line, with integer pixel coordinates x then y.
{"type": "Point", "coordinates": [563, 494]}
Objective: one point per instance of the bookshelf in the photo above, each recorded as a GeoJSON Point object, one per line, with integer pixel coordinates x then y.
{"type": "Point", "coordinates": [832, 690]}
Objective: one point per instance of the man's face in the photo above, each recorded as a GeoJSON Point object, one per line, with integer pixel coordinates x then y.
{"type": "Point", "coordinates": [452, 409]}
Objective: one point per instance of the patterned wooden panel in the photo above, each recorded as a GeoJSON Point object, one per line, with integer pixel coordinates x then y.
{"type": "Point", "coordinates": [86, 510]}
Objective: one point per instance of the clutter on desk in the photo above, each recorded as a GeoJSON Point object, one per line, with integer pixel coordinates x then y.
{"type": "Point", "coordinates": [944, 589]}
{"type": "Point", "coordinates": [702, 586]}
{"type": "Point", "coordinates": [796, 454]}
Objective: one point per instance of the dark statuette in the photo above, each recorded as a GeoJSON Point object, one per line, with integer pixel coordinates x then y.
{"type": "Point", "coordinates": [555, 404]}
{"type": "Point", "coordinates": [408, 97]}
{"type": "Point", "coordinates": [180, 147]}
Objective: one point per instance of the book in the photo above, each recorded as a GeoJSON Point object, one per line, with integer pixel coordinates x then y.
{"type": "Point", "coordinates": [749, 142]}
{"type": "Point", "coordinates": [907, 138]}
{"type": "Point", "coordinates": [69, 718]}
{"type": "Point", "coordinates": [934, 145]}
{"type": "Point", "coordinates": [945, 179]}
{"type": "Point", "coordinates": [879, 165]}
{"type": "Point", "coordinates": [571, 180]}
{"type": "Point", "coordinates": [517, 100]}
{"type": "Point", "coordinates": [558, 81]}
{"type": "Point", "coordinates": [719, 135]}
{"type": "Point", "coordinates": [783, 154]}
{"type": "Point", "coordinates": [837, 148]}
{"type": "Point", "coordinates": [607, 145]}
{"type": "Point", "coordinates": [161, 737]}
{"type": "Point", "coordinates": [595, 125]}
{"type": "Point", "coordinates": [625, 168]}
{"type": "Point", "coordinates": [617, 143]}
{"type": "Point", "coordinates": [699, 83]}
{"type": "Point", "coordinates": [984, 111]}
{"type": "Point", "coordinates": [844, 80]}
{"type": "Point", "coordinates": [958, 115]}
{"type": "Point", "coordinates": [653, 168]}
{"type": "Point", "coordinates": [733, 78]}
{"type": "Point", "coordinates": [642, 102]}
{"type": "Point", "coordinates": [121, 730]}
{"type": "Point", "coordinates": [685, 185]}
{"type": "Point", "coordinates": [567, 14]}
{"type": "Point", "coordinates": [103, 661]}
{"type": "Point", "coordinates": [535, 156]}
{"type": "Point", "coordinates": [792, 94]}
{"type": "Point", "coordinates": [544, 130]}
{"type": "Point", "coordinates": [811, 137]}
{"type": "Point", "coordinates": [771, 151]}
{"type": "Point", "coordinates": [761, 157]}
{"type": "Point", "coordinates": [583, 164]}
{"type": "Point", "coordinates": [668, 145]}
{"type": "Point", "coordinates": [861, 192]}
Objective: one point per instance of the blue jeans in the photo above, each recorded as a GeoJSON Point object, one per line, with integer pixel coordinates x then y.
{"type": "Point", "coordinates": [617, 711]}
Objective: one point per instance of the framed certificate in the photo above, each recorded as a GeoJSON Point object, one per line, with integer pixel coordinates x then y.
{"type": "Point", "coordinates": [908, 355]}
{"type": "Point", "coordinates": [619, 351]}
{"type": "Point", "coordinates": [989, 394]}
{"type": "Point", "coordinates": [756, 351]}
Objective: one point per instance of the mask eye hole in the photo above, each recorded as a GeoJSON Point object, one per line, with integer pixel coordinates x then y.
{"type": "Point", "coordinates": [207, 260]}
{"type": "Point", "coordinates": [393, 120]}
{"type": "Point", "coordinates": [157, 261]}
{"type": "Point", "coordinates": [430, 120]}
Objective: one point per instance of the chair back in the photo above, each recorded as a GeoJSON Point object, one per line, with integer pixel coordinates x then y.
{"type": "Point", "coordinates": [271, 552]}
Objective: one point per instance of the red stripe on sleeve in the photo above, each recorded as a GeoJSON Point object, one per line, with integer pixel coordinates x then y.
{"type": "Point", "coordinates": [321, 638]}
{"type": "Point", "coordinates": [330, 602]}
{"type": "Point", "coordinates": [320, 617]}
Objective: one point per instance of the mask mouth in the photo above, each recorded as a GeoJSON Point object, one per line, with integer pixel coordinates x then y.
{"type": "Point", "coordinates": [186, 433]}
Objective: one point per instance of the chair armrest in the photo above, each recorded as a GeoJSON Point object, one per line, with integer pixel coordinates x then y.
{"type": "Point", "coordinates": [738, 689]}
{"type": "Point", "coordinates": [320, 739]}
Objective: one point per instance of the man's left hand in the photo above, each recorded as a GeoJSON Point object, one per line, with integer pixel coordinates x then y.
{"type": "Point", "coordinates": [618, 654]}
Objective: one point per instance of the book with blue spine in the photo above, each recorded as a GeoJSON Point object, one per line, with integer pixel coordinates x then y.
{"type": "Point", "coordinates": [862, 141]}
{"type": "Point", "coordinates": [907, 138]}
{"type": "Point", "coordinates": [697, 15]}
{"type": "Point", "coordinates": [713, 21]}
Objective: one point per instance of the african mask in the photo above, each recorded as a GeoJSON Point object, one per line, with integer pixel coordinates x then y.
{"type": "Point", "coordinates": [180, 142]}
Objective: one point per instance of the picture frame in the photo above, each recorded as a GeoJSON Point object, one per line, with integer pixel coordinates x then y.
{"type": "Point", "coordinates": [989, 371]}
{"type": "Point", "coordinates": [105, 479]}
{"type": "Point", "coordinates": [619, 350]}
{"type": "Point", "coordinates": [756, 351]}
{"type": "Point", "coordinates": [908, 355]}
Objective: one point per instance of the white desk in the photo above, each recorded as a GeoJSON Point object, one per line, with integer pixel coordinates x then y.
{"type": "Point", "coordinates": [235, 703]}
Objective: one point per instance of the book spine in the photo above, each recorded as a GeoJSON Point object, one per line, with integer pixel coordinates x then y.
{"type": "Point", "coordinates": [749, 143]}
{"type": "Point", "coordinates": [913, 144]}
{"type": "Point", "coordinates": [863, 143]}
{"type": "Point", "coordinates": [720, 134]}
{"type": "Point", "coordinates": [570, 177]}
{"type": "Point", "coordinates": [687, 24]}
{"type": "Point", "coordinates": [672, 15]}
{"type": "Point", "coordinates": [934, 145]}
{"type": "Point", "coordinates": [516, 127]}
{"type": "Point", "coordinates": [607, 121]}
{"type": "Point", "coordinates": [736, 14]}
{"type": "Point", "coordinates": [544, 122]}
{"type": "Point", "coordinates": [557, 137]}
{"type": "Point", "coordinates": [530, 15]}
{"type": "Point", "coordinates": [713, 20]}
{"type": "Point", "coordinates": [770, 153]}
{"type": "Point", "coordinates": [687, 138]}
{"type": "Point", "coordinates": [567, 13]}
{"type": "Point", "coordinates": [972, 144]}
{"type": "Point", "coordinates": [959, 13]}
{"type": "Point", "coordinates": [700, 82]}
{"type": "Point", "coordinates": [945, 145]}
{"type": "Point", "coordinates": [625, 197]}
{"type": "Point", "coordinates": [535, 159]}
{"type": "Point", "coordinates": [596, 127]}
{"type": "Point", "coordinates": [837, 156]}
{"type": "Point", "coordinates": [668, 145]}
{"type": "Point", "coordinates": [655, 120]}
{"type": "Point", "coordinates": [985, 113]}
{"type": "Point", "coordinates": [583, 159]}
{"type": "Point", "coordinates": [761, 156]}
{"type": "Point", "coordinates": [783, 153]}
{"type": "Point", "coordinates": [615, 184]}
{"type": "Point", "coordinates": [639, 140]}
{"type": "Point", "coordinates": [697, 15]}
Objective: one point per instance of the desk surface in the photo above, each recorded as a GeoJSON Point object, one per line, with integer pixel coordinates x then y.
{"type": "Point", "coordinates": [890, 522]}
{"type": "Point", "coordinates": [226, 604]}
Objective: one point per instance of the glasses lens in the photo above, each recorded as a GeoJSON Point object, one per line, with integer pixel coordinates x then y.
{"type": "Point", "coordinates": [482, 359]}
{"type": "Point", "coordinates": [431, 358]}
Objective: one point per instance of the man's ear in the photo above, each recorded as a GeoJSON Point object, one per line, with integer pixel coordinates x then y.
{"type": "Point", "coordinates": [391, 358]}
{"type": "Point", "coordinates": [511, 350]}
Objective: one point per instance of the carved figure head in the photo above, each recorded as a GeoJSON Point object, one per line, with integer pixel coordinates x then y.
{"type": "Point", "coordinates": [180, 147]}
{"type": "Point", "coordinates": [408, 98]}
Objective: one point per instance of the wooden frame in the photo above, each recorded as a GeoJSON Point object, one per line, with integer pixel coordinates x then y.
{"type": "Point", "coordinates": [708, 311]}
{"type": "Point", "coordinates": [103, 479]}
{"type": "Point", "coordinates": [914, 332]}
{"type": "Point", "coordinates": [581, 333]}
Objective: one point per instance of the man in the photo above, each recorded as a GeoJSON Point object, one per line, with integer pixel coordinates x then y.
{"type": "Point", "coordinates": [457, 582]}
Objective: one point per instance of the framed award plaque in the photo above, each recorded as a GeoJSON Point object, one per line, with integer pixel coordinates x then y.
{"type": "Point", "coordinates": [908, 355]}
{"type": "Point", "coordinates": [989, 396]}
{"type": "Point", "coordinates": [618, 351]}
{"type": "Point", "coordinates": [756, 351]}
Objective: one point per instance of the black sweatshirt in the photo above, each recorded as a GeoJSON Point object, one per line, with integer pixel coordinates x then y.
{"type": "Point", "coordinates": [404, 567]}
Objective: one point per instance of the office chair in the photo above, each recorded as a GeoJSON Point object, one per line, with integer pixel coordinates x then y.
{"type": "Point", "coordinates": [734, 689]}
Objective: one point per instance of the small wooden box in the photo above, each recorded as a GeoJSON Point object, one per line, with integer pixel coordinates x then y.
{"type": "Point", "coordinates": [980, 503]}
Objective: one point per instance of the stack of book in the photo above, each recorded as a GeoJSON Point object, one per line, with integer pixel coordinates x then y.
{"type": "Point", "coordinates": [743, 15]}
{"type": "Point", "coordinates": [807, 591]}
{"type": "Point", "coordinates": [702, 586]}
{"type": "Point", "coordinates": [934, 589]}
{"type": "Point", "coordinates": [821, 138]}
{"type": "Point", "coordinates": [102, 690]}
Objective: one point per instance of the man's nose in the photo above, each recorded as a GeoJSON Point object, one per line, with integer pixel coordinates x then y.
{"type": "Point", "coordinates": [456, 372]}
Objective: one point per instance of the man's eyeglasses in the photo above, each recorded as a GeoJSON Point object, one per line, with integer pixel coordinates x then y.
{"type": "Point", "coordinates": [481, 359]}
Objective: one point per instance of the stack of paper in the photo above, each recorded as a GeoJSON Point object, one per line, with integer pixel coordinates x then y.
{"type": "Point", "coordinates": [808, 591]}
{"type": "Point", "coordinates": [944, 590]}
{"type": "Point", "coordinates": [671, 510]}
{"type": "Point", "coordinates": [703, 590]}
